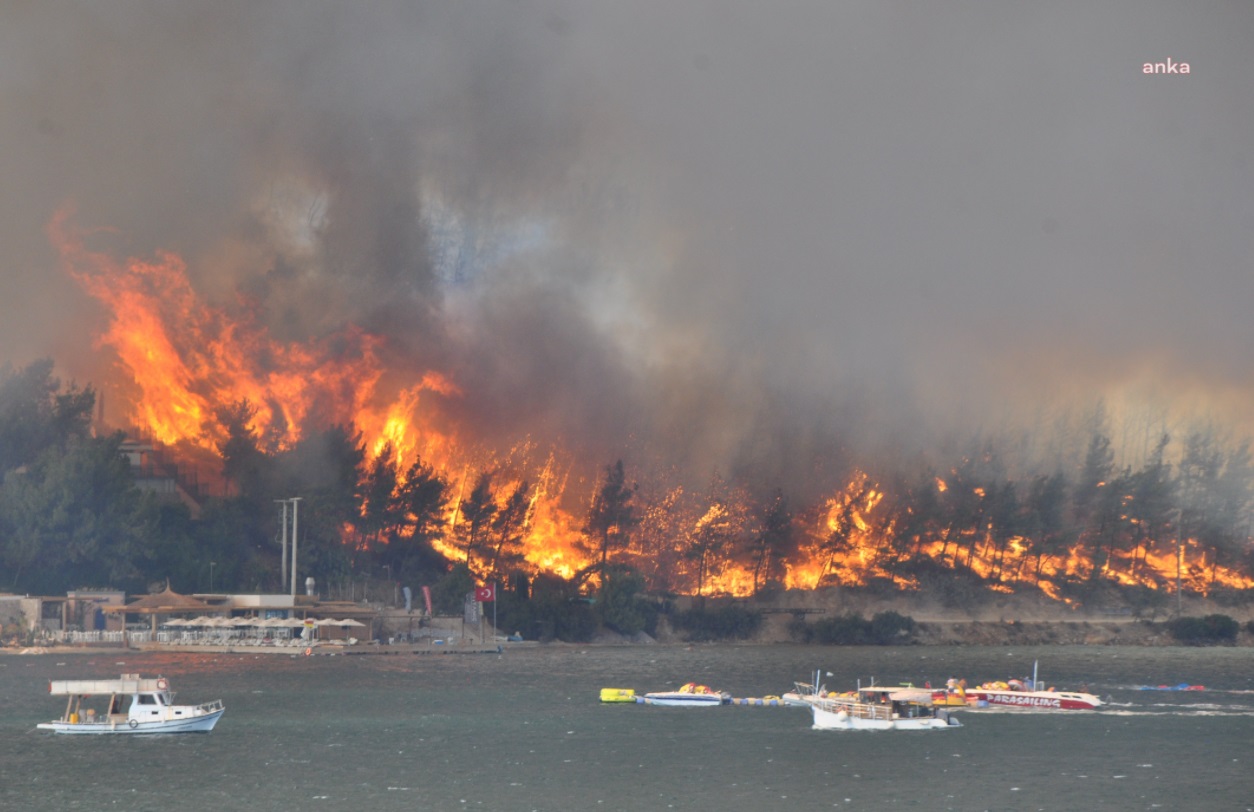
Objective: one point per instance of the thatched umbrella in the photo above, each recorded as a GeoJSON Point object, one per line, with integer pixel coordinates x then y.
{"type": "Point", "coordinates": [165, 602]}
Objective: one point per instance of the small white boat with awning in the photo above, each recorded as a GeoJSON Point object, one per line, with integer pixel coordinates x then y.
{"type": "Point", "coordinates": [691, 695]}
{"type": "Point", "coordinates": [132, 704]}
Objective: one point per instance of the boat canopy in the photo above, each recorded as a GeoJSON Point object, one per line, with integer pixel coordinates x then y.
{"type": "Point", "coordinates": [128, 684]}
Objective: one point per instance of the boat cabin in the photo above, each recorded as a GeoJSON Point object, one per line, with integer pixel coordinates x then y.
{"type": "Point", "coordinates": [115, 701]}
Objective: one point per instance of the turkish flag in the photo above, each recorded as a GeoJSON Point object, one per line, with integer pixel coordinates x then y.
{"type": "Point", "coordinates": [483, 594]}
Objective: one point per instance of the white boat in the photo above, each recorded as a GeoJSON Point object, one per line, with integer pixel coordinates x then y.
{"type": "Point", "coordinates": [690, 696]}
{"type": "Point", "coordinates": [804, 694]}
{"type": "Point", "coordinates": [100, 706]}
{"type": "Point", "coordinates": [1010, 695]}
{"type": "Point", "coordinates": [881, 708]}
{"type": "Point", "coordinates": [1025, 694]}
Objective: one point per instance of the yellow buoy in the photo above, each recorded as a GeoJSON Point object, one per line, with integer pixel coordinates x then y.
{"type": "Point", "coordinates": [618, 695]}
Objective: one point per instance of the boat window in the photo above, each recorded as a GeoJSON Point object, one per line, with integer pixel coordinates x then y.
{"type": "Point", "coordinates": [147, 699]}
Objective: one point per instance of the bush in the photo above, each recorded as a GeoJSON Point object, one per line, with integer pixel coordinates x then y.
{"type": "Point", "coordinates": [731, 622]}
{"type": "Point", "coordinates": [890, 627]}
{"type": "Point", "coordinates": [1232, 598]}
{"type": "Point", "coordinates": [621, 605]}
{"type": "Point", "coordinates": [448, 595]}
{"type": "Point", "coordinates": [576, 624]}
{"type": "Point", "coordinates": [845, 630]}
{"type": "Point", "coordinates": [1145, 601]}
{"type": "Point", "coordinates": [799, 630]}
{"type": "Point", "coordinates": [884, 629]}
{"type": "Point", "coordinates": [1201, 631]}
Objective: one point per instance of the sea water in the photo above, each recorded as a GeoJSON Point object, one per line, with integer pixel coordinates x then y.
{"type": "Point", "coordinates": [524, 730]}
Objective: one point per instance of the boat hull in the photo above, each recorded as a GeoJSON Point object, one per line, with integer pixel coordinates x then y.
{"type": "Point", "coordinates": [676, 699]}
{"type": "Point", "coordinates": [858, 717]}
{"type": "Point", "coordinates": [202, 723]}
{"type": "Point", "coordinates": [1033, 700]}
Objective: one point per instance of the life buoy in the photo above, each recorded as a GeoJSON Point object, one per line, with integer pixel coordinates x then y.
{"type": "Point", "coordinates": [163, 684]}
{"type": "Point", "coordinates": [308, 652]}
{"type": "Point", "coordinates": [134, 723]}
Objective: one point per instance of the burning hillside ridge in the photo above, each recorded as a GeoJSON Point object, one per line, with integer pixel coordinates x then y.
{"type": "Point", "coordinates": [197, 378]}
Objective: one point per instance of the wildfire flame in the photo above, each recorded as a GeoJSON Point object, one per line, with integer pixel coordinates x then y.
{"type": "Point", "coordinates": [184, 362]}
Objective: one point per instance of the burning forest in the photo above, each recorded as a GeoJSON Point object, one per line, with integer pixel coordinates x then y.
{"type": "Point", "coordinates": [218, 391]}
{"type": "Point", "coordinates": [734, 304]}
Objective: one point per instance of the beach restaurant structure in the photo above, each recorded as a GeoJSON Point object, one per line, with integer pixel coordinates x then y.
{"type": "Point", "coordinates": [224, 618]}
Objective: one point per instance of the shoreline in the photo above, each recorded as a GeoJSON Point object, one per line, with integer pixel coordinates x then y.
{"type": "Point", "coordinates": [953, 633]}
{"type": "Point", "coordinates": [1010, 620]}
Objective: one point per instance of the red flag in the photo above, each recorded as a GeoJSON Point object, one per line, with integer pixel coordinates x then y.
{"type": "Point", "coordinates": [483, 594]}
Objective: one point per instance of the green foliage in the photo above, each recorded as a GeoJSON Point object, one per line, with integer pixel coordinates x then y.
{"type": "Point", "coordinates": [477, 511]}
{"type": "Point", "coordinates": [72, 518]}
{"type": "Point", "coordinates": [726, 623]}
{"type": "Point", "coordinates": [1201, 631]}
{"type": "Point", "coordinates": [508, 528]}
{"type": "Point", "coordinates": [36, 415]}
{"type": "Point", "coordinates": [621, 605]}
{"type": "Point", "coordinates": [844, 630]}
{"type": "Point", "coordinates": [954, 587]}
{"type": "Point", "coordinates": [611, 516]}
{"type": "Point", "coordinates": [851, 629]}
{"type": "Point", "coordinates": [555, 610]}
{"type": "Point", "coordinates": [891, 627]}
{"type": "Point", "coordinates": [244, 463]}
{"type": "Point", "coordinates": [448, 595]}
{"type": "Point", "coordinates": [769, 544]}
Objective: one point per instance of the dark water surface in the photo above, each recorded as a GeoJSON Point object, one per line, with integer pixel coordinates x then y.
{"type": "Point", "coordinates": [525, 731]}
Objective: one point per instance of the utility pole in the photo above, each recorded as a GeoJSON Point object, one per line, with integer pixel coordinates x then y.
{"type": "Point", "coordinates": [283, 544]}
{"type": "Point", "coordinates": [295, 500]}
{"type": "Point", "coordinates": [1179, 562]}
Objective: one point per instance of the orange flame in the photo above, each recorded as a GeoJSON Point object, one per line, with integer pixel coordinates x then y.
{"type": "Point", "coordinates": [183, 361]}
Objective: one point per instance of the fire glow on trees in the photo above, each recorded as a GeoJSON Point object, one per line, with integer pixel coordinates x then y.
{"type": "Point", "coordinates": [184, 362]}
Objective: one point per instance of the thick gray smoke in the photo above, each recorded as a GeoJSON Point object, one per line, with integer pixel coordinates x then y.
{"type": "Point", "coordinates": [757, 239]}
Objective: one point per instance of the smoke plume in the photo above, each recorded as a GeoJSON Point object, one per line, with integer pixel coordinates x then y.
{"type": "Point", "coordinates": [763, 241]}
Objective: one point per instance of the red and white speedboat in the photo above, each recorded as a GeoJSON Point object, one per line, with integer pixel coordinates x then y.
{"type": "Point", "coordinates": [1014, 694]}
{"type": "Point", "coordinates": [1001, 694]}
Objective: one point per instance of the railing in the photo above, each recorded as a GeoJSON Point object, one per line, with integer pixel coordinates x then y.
{"type": "Point", "coordinates": [856, 709]}
{"type": "Point", "coordinates": [81, 638]}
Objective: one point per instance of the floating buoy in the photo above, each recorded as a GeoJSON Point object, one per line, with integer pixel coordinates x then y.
{"type": "Point", "coordinates": [618, 695]}
{"type": "Point", "coordinates": [308, 652]}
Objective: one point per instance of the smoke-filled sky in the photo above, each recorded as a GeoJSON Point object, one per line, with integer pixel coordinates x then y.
{"type": "Point", "coordinates": [740, 234]}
